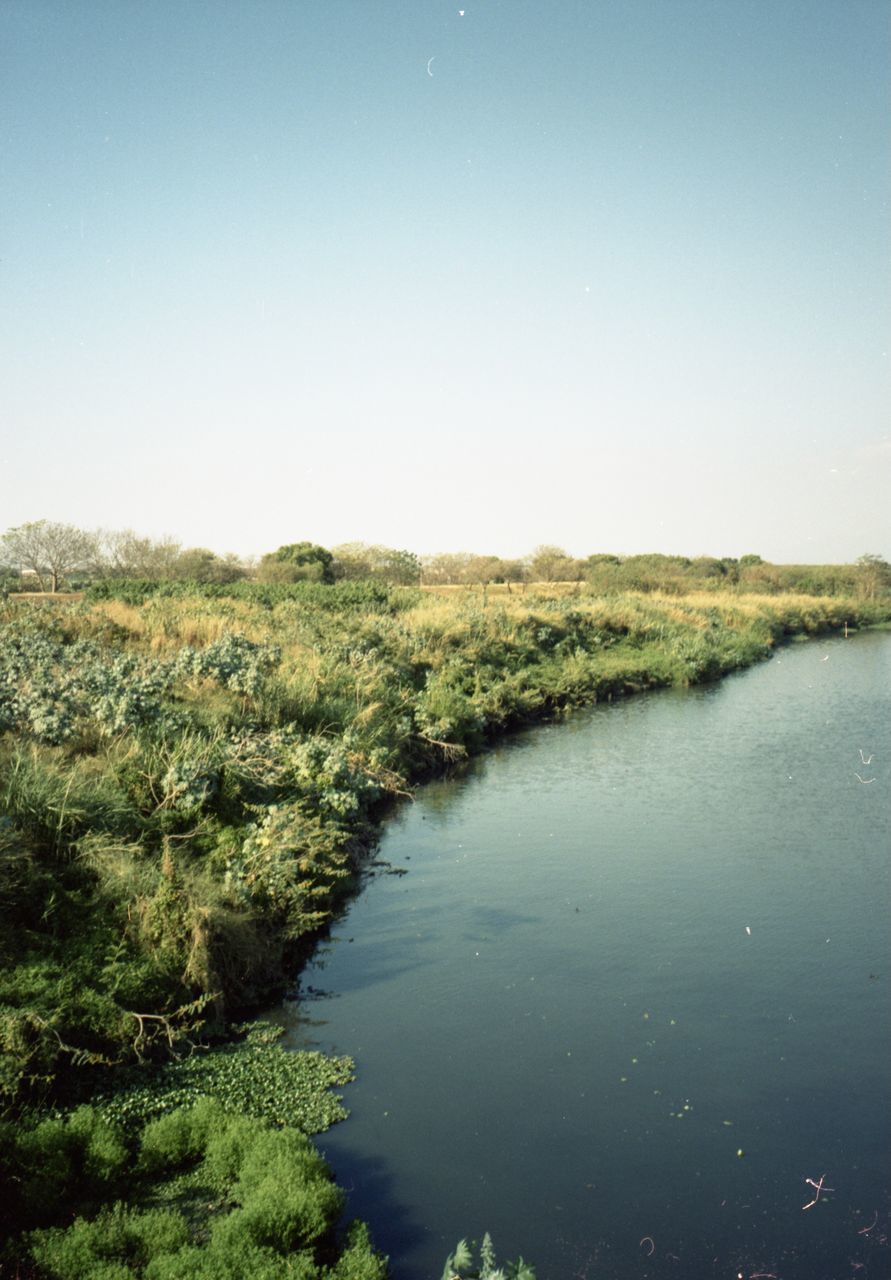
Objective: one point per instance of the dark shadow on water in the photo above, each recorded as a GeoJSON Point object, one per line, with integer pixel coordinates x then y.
{"type": "Point", "coordinates": [387, 963]}
{"type": "Point", "coordinates": [369, 1189]}
{"type": "Point", "coordinates": [497, 920]}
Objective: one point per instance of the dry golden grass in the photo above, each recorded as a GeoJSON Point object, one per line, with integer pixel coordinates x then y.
{"type": "Point", "coordinates": [122, 615]}
{"type": "Point", "coordinates": [47, 595]}
{"type": "Point", "coordinates": [504, 590]}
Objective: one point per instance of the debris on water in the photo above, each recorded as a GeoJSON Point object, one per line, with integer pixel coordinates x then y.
{"type": "Point", "coordinates": [748, 931]}
{"type": "Point", "coordinates": [740, 1152]}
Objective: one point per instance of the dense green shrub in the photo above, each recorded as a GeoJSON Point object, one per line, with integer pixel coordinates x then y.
{"type": "Point", "coordinates": [211, 1195]}
{"type": "Point", "coordinates": [116, 1245]}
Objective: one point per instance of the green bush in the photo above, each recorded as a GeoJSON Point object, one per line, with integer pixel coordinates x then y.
{"type": "Point", "coordinates": [180, 1137]}
{"type": "Point", "coordinates": [116, 1245]}
{"type": "Point", "coordinates": [284, 1187]}
{"type": "Point", "coordinates": [274, 1215]}
{"type": "Point", "coordinates": [359, 1259]}
{"type": "Point", "coordinates": [240, 1260]}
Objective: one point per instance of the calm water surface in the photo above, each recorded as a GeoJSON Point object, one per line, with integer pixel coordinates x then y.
{"type": "Point", "coordinates": [628, 948]}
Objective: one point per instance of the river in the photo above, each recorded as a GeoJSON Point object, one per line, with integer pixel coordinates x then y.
{"type": "Point", "coordinates": [632, 991]}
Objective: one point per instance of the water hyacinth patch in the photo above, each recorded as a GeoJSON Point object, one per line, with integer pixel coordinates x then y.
{"type": "Point", "coordinates": [254, 1076]}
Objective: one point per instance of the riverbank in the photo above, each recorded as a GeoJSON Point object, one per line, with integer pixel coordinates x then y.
{"type": "Point", "coordinates": [188, 784]}
{"type": "Point", "coordinates": [559, 1005]}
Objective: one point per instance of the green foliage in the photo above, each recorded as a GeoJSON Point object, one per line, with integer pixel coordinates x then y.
{"type": "Point", "coordinates": [296, 562]}
{"type": "Point", "coordinates": [53, 690]}
{"type": "Point", "coordinates": [180, 1136]}
{"type": "Point", "coordinates": [81, 1153]}
{"type": "Point", "coordinates": [253, 1076]}
{"type": "Point", "coordinates": [461, 1264]}
{"type": "Point", "coordinates": [284, 1188]}
{"type": "Point", "coordinates": [233, 661]}
{"type": "Point", "coordinates": [342, 597]}
{"type": "Point", "coordinates": [358, 1260]}
{"type": "Point", "coordinates": [116, 1245]}
{"type": "Point", "coordinates": [358, 560]}
{"type": "Point", "coordinates": [290, 864]}
{"type": "Point", "coordinates": [211, 1195]}
{"type": "Point", "coordinates": [197, 564]}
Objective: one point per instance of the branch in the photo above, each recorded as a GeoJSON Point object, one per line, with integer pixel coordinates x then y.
{"type": "Point", "coordinates": [451, 750]}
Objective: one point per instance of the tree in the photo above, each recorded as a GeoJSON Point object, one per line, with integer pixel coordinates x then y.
{"type": "Point", "coordinates": [708, 567]}
{"type": "Point", "coordinates": [50, 551]}
{"type": "Point", "coordinates": [355, 560]}
{"type": "Point", "coordinates": [401, 568]}
{"type": "Point", "coordinates": [553, 564]}
{"type": "Point", "coordinates": [874, 575]}
{"type": "Point", "coordinates": [297, 562]}
{"type": "Point", "coordinates": [351, 561]}
{"type": "Point", "coordinates": [124, 554]}
{"type": "Point", "coordinates": [446, 568]}
{"type": "Point", "coordinates": [603, 572]}
{"type": "Point", "coordinates": [197, 564]}
{"type": "Point", "coordinates": [482, 569]}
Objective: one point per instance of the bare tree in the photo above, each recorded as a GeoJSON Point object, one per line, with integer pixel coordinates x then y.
{"type": "Point", "coordinates": [49, 550]}
{"type": "Point", "coordinates": [125, 554]}
{"type": "Point", "coordinates": [446, 568]}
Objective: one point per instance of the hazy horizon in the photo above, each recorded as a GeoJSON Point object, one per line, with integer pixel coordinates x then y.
{"type": "Point", "coordinates": [608, 276]}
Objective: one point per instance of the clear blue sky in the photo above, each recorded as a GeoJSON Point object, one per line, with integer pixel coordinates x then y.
{"type": "Point", "coordinates": [607, 275]}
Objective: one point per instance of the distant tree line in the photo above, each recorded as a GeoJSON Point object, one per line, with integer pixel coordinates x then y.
{"type": "Point", "coordinates": [47, 556]}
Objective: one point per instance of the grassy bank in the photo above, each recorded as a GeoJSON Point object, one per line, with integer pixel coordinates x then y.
{"type": "Point", "coordinates": [187, 786]}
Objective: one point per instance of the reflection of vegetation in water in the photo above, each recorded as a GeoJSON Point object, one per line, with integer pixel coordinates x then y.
{"type": "Point", "coordinates": [187, 784]}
